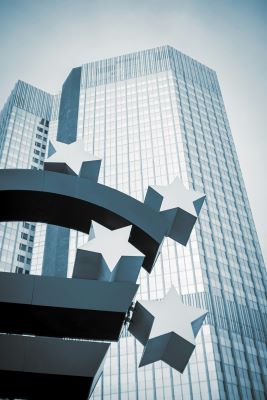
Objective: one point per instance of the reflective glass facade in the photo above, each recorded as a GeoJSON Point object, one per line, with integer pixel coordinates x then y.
{"type": "Point", "coordinates": [152, 116]}
{"type": "Point", "coordinates": [24, 125]}
{"type": "Point", "coordinates": [40, 229]}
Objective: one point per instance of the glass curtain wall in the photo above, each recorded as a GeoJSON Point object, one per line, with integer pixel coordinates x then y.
{"type": "Point", "coordinates": [24, 125]}
{"type": "Point", "coordinates": [151, 116]}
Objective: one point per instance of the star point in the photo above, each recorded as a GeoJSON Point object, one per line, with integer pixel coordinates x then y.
{"type": "Point", "coordinates": [72, 159]}
{"type": "Point", "coordinates": [108, 256]}
{"type": "Point", "coordinates": [179, 205]}
{"type": "Point", "coordinates": [176, 195]}
{"type": "Point", "coordinates": [167, 328]}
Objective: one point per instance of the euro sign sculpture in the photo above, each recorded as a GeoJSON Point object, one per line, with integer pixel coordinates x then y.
{"type": "Point", "coordinates": [56, 332]}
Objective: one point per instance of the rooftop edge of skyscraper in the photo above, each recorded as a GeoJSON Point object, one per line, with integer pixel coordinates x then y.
{"type": "Point", "coordinates": [139, 63]}
{"type": "Point", "coordinates": [146, 62]}
{"type": "Point", "coordinates": [30, 98]}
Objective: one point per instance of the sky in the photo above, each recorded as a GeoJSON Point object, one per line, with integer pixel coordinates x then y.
{"type": "Point", "coordinates": [41, 41]}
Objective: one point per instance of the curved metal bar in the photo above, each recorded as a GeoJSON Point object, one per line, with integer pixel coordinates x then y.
{"type": "Point", "coordinates": [72, 202]}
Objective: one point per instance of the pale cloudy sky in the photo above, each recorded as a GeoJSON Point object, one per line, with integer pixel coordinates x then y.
{"type": "Point", "coordinates": [40, 41]}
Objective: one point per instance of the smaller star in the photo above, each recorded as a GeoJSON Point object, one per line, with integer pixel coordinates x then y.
{"type": "Point", "coordinates": [72, 159]}
{"type": "Point", "coordinates": [167, 328]}
{"type": "Point", "coordinates": [108, 256]}
{"type": "Point", "coordinates": [180, 206]}
{"type": "Point", "coordinates": [176, 195]}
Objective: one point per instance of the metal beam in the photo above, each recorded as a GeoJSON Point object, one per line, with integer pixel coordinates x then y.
{"type": "Point", "coordinates": [49, 368]}
{"type": "Point", "coordinates": [72, 202]}
{"type": "Point", "coordinates": [61, 307]}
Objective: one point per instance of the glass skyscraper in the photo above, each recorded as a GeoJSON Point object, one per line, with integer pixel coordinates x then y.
{"type": "Point", "coordinates": [24, 124]}
{"type": "Point", "coordinates": [154, 115]}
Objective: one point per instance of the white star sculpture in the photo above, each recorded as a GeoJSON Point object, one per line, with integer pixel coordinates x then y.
{"type": "Point", "coordinates": [181, 207]}
{"type": "Point", "coordinates": [108, 256]}
{"type": "Point", "coordinates": [167, 328]}
{"type": "Point", "coordinates": [72, 159]}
